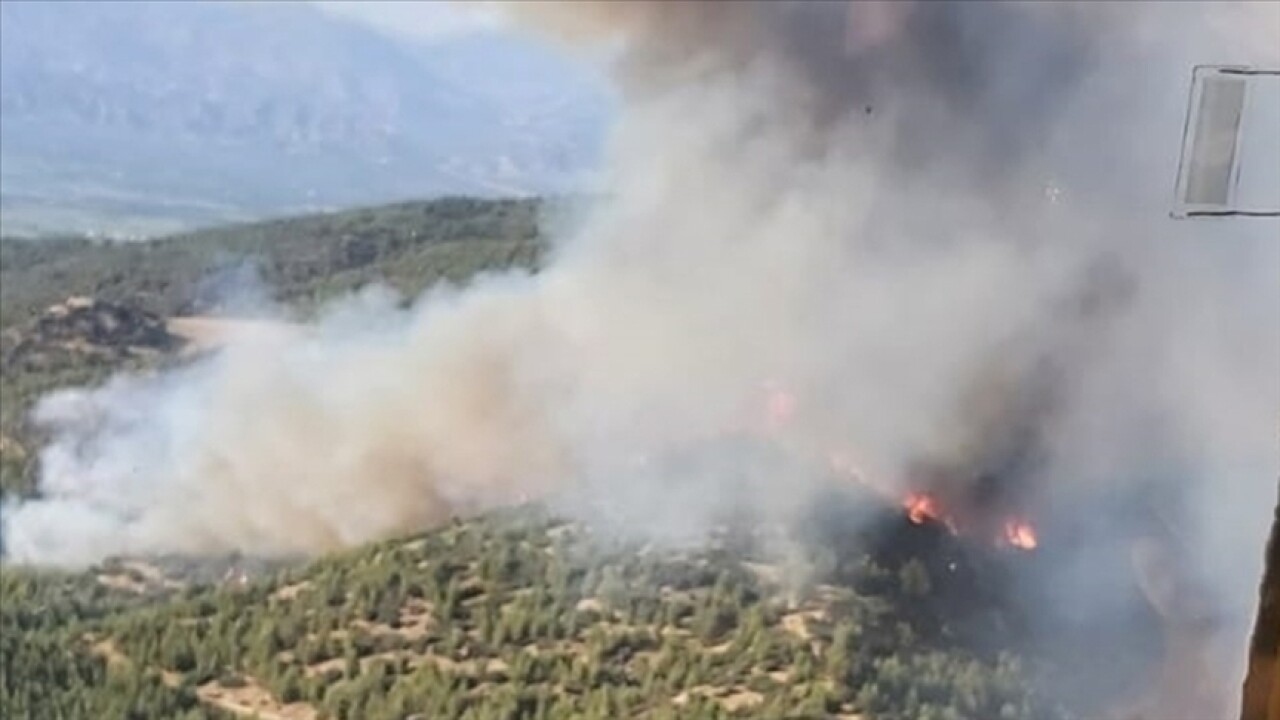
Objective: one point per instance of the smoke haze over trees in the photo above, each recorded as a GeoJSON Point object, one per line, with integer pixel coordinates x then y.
{"type": "Point", "coordinates": [886, 223]}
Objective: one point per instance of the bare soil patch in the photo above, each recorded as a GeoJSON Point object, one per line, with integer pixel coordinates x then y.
{"type": "Point", "coordinates": [255, 701]}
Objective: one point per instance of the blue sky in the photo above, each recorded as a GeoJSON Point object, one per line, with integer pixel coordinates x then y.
{"type": "Point", "coordinates": [422, 20]}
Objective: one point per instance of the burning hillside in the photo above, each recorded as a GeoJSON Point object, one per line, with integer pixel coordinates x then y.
{"type": "Point", "coordinates": [920, 506]}
{"type": "Point", "coordinates": [941, 225]}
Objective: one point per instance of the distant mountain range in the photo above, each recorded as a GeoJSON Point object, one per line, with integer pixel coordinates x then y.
{"type": "Point", "coordinates": [135, 118]}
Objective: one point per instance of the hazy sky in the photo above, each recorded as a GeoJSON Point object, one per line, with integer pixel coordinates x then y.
{"type": "Point", "coordinates": [425, 20]}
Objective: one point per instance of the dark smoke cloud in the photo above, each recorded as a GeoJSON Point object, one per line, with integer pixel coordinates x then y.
{"type": "Point", "coordinates": [953, 76]}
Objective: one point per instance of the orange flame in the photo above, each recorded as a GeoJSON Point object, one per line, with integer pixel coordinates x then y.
{"type": "Point", "coordinates": [1021, 535]}
{"type": "Point", "coordinates": [921, 508]}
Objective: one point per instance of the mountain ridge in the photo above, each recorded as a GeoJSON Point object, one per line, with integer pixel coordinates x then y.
{"type": "Point", "coordinates": [179, 115]}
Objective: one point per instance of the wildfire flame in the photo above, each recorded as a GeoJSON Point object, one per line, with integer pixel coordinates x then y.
{"type": "Point", "coordinates": [1020, 534]}
{"type": "Point", "coordinates": [920, 507]}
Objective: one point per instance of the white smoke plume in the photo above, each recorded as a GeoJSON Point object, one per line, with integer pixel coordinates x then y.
{"type": "Point", "coordinates": [874, 205]}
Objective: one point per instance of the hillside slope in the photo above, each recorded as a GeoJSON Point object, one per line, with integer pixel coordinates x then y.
{"type": "Point", "coordinates": [300, 259]}
{"type": "Point", "coordinates": [512, 615]}
{"type": "Point", "coordinates": [294, 264]}
{"type": "Point", "coordinates": [520, 616]}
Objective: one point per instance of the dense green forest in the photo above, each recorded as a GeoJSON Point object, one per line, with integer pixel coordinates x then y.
{"type": "Point", "coordinates": [514, 615]}
{"type": "Point", "coordinates": [510, 616]}
{"type": "Point", "coordinates": [303, 260]}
